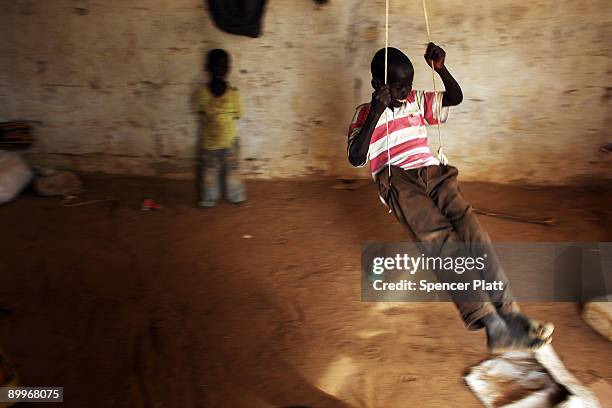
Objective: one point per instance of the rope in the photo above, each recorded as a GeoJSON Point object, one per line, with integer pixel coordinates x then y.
{"type": "Point", "coordinates": [70, 201]}
{"type": "Point", "coordinates": [438, 103]}
{"type": "Point", "coordinates": [441, 157]}
{"type": "Point", "coordinates": [386, 55]}
{"type": "Point", "coordinates": [386, 36]}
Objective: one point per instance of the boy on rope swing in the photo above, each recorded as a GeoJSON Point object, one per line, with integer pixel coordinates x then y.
{"type": "Point", "coordinates": [424, 194]}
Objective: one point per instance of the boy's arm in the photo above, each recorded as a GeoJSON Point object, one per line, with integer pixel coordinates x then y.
{"type": "Point", "coordinates": [453, 94]}
{"type": "Point", "coordinates": [360, 143]}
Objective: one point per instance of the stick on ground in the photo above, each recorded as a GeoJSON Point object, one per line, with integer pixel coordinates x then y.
{"type": "Point", "coordinates": [547, 221]}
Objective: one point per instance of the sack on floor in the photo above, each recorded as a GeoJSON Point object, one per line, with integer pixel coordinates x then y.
{"type": "Point", "coordinates": [51, 182]}
{"type": "Point", "coordinates": [528, 380]}
{"type": "Point", "coordinates": [15, 174]}
{"type": "Point", "coordinates": [598, 314]}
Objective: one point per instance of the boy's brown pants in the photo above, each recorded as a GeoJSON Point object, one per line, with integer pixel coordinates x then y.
{"type": "Point", "coordinates": [427, 201]}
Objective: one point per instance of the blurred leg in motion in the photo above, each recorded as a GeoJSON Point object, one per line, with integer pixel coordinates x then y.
{"type": "Point", "coordinates": [428, 203]}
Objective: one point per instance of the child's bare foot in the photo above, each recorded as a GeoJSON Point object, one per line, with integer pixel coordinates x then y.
{"type": "Point", "coordinates": [515, 332]}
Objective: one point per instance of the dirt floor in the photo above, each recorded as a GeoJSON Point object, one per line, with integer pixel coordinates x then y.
{"type": "Point", "coordinates": [253, 306]}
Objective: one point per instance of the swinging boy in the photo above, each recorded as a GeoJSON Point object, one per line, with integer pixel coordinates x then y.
{"type": "Point", "coordinates": [423, 193]}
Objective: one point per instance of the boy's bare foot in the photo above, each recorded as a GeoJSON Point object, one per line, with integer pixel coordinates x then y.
{"type": "Point", "coordinates": [516, 332]}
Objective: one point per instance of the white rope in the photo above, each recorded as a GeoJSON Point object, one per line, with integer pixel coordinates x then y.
{"type": "Point", "coordinates": [386, 36]}
{"type": "Point", "coordinates": [441, 157]}
{"type": "Point", "coordinates": [386, 56]}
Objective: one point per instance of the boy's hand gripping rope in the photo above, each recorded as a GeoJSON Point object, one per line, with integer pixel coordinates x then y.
{"type": "Point", "coordinates": [438, 103]}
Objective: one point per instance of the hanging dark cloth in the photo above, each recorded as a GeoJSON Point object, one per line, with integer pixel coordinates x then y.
{"type": "Point", "coordinates": [242, 17]}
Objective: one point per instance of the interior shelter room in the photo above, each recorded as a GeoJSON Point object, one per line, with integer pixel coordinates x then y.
{"type": "Point", "coordinates": [305, 203]}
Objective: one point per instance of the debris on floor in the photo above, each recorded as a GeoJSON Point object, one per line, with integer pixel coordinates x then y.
{"type": "Point", "coordinates": [51, 182]}
{"type": "Point", "coordinates": [15, 175]}
{"type": "Point", "coordinates": [528, 380]}
{"type": "Point", "coordinates": [73, 201]}
{"type": "Point", "coordinates": [598, 315]}
{"type": "Point", "coordinates": [150, 205]}
{"type": "Point", "coordinates": [542, 221]}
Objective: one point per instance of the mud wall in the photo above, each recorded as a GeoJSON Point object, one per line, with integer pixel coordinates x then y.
{"type": "Point", "coordinates": [112, 83]}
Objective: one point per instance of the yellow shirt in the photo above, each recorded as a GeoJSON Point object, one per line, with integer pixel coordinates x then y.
{"type": "Point", "coordinates": [219, 128]}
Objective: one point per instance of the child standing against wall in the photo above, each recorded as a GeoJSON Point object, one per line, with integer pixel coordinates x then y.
{"type": "Point", "coordinates": [220, 108]}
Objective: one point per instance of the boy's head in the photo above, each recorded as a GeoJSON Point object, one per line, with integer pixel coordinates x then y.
{"type": "Point", "coordinates": [217, 63]}
{"type": "Point", "coordinates": [400, 73]}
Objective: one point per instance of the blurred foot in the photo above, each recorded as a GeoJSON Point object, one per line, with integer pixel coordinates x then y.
{"type": "Point", "coordinates": [207, 203]}
{"type": "Point", "coordinates": [537, 329]}
{"type": "Point", "coordinates": [516, 332]}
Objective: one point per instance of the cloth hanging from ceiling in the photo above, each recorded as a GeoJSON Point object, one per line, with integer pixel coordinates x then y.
{"type": "Point", "coordinates": [242, 17]}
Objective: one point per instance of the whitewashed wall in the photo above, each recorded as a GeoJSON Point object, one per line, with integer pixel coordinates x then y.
{"type": "Point", "coordinates": [112, 82]}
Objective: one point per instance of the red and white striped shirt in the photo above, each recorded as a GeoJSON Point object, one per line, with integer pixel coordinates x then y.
{"type": "Point", "coordinates": [407, 140]}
